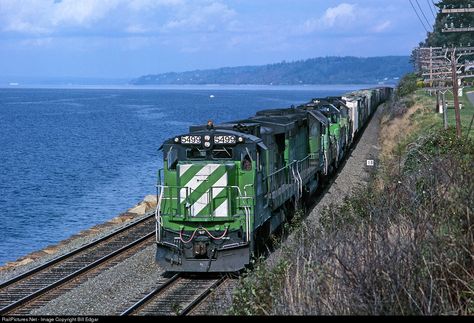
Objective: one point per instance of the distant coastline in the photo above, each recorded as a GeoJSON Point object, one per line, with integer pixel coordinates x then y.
{"type": "Point", "coordinates": [322, 70]}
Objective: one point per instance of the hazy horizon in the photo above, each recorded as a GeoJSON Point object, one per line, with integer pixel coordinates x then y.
{"type": "Point", "coordinates": [106, 80]}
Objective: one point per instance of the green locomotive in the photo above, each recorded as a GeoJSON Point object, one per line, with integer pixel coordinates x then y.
{"type": "Point", "coordinates": [226, 187]}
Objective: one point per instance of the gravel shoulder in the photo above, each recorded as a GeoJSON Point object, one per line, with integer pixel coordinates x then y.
{"type": "Point", "coordinates": [112, 291]}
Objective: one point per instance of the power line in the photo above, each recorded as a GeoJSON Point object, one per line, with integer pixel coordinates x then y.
{"type": "Point", "coordinates": [419, 18]}
{"type": "Point", "coordinates": [422, 12]}
{"type": "Point", "coordinates": [431, 9]}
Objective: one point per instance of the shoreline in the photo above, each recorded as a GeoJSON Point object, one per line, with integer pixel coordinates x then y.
{"type": "Point", "coordinates": [38, 257]}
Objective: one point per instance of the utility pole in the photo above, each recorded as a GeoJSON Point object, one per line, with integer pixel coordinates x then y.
{"type": "Point", "coordinates": [445, 110]}
{"type": "Point", "coordinates": [440, 66]}
{"type": "Point", "coordinates": [461, 28]}
{"type": "Point", "coordinates": [455, 92]}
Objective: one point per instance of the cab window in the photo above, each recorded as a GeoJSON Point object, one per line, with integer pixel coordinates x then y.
{"type": "Point", "coordinates": [246, 163]}
{"type": "Point", "coordinates": [195, 153]}
{"type": "Point", "coordinates": [222, 153]}
{"type": "Point", "coordinates": [172, 158]}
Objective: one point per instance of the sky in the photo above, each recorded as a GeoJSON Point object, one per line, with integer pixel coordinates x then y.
{"type": "Point", "coordinates": [130, 38]}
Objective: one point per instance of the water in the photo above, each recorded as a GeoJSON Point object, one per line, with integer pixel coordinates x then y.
{"type": "Point", "coordinates": [73, 158]}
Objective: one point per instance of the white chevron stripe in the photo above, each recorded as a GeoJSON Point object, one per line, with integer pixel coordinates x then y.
{"type": "Point", "coordinates": [222, 210]}
{"type": "Point", "coordinates": [204, 199]}
{"type": "Point", "coordinates": [197, 180]}
{"type": "Point", "coordinates": [183, 168]}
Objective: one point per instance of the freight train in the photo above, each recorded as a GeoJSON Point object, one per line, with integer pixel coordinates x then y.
{"type": "Point", "coordinates": [225, 187]}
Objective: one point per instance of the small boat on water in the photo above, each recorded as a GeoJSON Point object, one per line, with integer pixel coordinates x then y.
{"type": "Point", "coordinates": [211, 96]}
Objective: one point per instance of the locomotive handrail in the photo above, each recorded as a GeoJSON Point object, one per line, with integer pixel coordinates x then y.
{"type": "Point", "coordinates": [243, 198]}
{"type": "Point", "coordinates": [159, 177]}
{"type": "Point", "coordinates": [240, 196]}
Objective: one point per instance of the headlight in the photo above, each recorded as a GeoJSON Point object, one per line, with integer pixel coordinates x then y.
{"type": "Point", "coordinates": [224, 139]}
{"type": "Point", "coordinates": [190, 139]}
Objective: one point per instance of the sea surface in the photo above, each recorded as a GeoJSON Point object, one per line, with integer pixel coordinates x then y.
{"type": "Point", "coordinates": [71, 158]}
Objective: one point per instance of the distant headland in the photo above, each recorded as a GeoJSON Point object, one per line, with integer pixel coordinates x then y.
{"type": "Point", "coordinates": [321, 70]}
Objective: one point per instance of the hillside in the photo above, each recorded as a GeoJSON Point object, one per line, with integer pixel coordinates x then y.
{"type": "Point", "coordinates": [400, 245]}
{"type": "Point", "coordinates": [323, 70]}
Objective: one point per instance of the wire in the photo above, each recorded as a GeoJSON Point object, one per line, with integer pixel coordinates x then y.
{"type": "Point", "coordinates": [419, 18]}
{"type": "Point", "coordinates": [422, 12]}
{"type": "Point", "coordinates": [431, 9]}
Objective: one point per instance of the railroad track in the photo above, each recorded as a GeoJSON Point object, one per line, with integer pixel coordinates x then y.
{"type": "Point", "coordinates": [41, 284]}
{"type": "Point", "coordinates": [178, 295]}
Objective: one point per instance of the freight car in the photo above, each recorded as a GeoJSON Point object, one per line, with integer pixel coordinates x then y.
{"type": "Point", "coordinates": [226, 187]}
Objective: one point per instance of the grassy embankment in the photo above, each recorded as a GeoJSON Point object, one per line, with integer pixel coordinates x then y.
{"type": "Point", "coordinates": [403, 245]}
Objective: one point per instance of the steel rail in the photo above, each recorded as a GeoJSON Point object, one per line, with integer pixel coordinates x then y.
{"type": "Point", "coordinates": [135, 307]}
{"type": "Point", "coordinates": [170, 283]}
{"type": "Point", "coordinates": [200, 298]}
{"type": "Point", "coordinates": [15, 304]}
{"type": "Point", "coordinates": [37, 293]}
{"type": "Point", "coordinates": [74, 252]}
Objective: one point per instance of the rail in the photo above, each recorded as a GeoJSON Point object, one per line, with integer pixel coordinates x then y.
{"type": "Point", "coordinates": [38, 282]}
{"type": "Point", "coordinates": [179, 295]}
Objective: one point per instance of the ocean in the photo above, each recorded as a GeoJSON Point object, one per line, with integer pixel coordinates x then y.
{"type": "Point", "coordinates": [72, 158]}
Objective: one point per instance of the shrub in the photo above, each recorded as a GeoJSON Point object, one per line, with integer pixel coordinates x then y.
{"type": "Point", "coordinates": [407, 85]}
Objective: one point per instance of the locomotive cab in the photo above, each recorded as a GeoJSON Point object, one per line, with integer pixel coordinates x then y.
{"type": "Point", "coordinates": [206, 196]}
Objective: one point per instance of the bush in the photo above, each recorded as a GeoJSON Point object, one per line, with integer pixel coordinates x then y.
{"type": "Point", "coordinates": [407, 85]}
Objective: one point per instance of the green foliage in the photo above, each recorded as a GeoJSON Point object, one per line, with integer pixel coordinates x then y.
{"type": "Point", "coordinates": [323, 70]}
{"type": "Point", "coordinates": [439, 143]}
{"type": "Point", "coordinates": [407, 85]}
{"type": "Point", "coordinates": [257, 289]}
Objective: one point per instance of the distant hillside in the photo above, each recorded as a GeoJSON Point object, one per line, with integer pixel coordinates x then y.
{"type": "Point", "coordinates": [323, 70]}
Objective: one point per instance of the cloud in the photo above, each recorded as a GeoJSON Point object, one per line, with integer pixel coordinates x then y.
{"type": "Point", "coordinates": [45, 17]}
{"type": "Point", "coordinates": [343, 13]}
{"type": "Point", "coordinates": [201, 18]}
{"type": "Point", "coordinates": [381, 27]}
{"type": "Point", "coordinates": [80, 13]}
